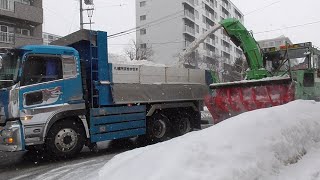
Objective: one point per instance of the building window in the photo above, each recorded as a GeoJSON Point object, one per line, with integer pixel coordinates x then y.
{"type": "Point", "coordinates": [24, 1]}
{"type": "Point", "coordinates": [271, 43]}
{"type": "Point", "coordinates": [6, 34]}
{"type": "Point", "coordinates": [278, 43]}
{"type": "Point", "coordinates": [143, 46]}
{"type": "Point", "coordinates": [143, 17]}
{"type": "Point", "coordinates": [9, 4]}
{"type": "Point", "coordinates": [143, 31]}
{"type": "Point", "coordinates": [197, 28]}
{"type": "Point", "coordinates": [22, 31]}
{"type": "Point", "coordinates": [143, 3]}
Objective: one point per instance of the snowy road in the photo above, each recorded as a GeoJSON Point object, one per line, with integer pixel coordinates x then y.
{"type": "Point", "coordinates": [18, 166]}
{"type": "Point", "coordinates": [23, 166]}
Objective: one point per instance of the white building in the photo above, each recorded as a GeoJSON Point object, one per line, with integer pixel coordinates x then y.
{"type": "Point", "coordinates": [48, 38]}
{"type": "Point", "coordinates": [275, 42]}
{"type": "Point", "coordinates": [171, 25]}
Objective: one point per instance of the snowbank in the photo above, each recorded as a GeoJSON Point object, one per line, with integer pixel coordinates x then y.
{"type": "Point", "coordinates": [261, 144]}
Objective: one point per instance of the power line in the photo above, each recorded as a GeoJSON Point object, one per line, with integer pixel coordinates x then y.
{"type": "Point", "coordinates": [289, 27]}
{"type": "Point", "coordinates": [132, 30]}
{"type": "Point", "coordinates": [150, 24]}
{"type": "Point", "coordinates": [262, 8]}
{"type": "Point", "coordinates": [144, 26]}
{"type": "Point", "coordinates": [153, 43]}
{"type": "Point", "coordinates": [115, 5]}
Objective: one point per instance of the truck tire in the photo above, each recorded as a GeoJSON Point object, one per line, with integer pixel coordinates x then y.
{"type": "Point", "coordinates": [158, 128]}
{"type": "Point", "coordinates": [65, 139]}
{"type": "Point", "coordinates": [182, 124]}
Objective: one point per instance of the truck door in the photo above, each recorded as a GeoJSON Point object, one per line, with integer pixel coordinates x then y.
{"type": "Point", "coordinates": [41, 93]}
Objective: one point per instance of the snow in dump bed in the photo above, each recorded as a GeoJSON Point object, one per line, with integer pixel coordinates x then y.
{"type": "Point", "coordinates": [118, 59]}
{"type": "Point", "coordinates": [274, 143]}
{"type": "Point", "coordinates": [274, 78]}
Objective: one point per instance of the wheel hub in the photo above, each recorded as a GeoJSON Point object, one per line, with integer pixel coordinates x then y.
{"type": "Point", "coordinates": [66, 140]}
{"type": "Point", "coordinates": [183, 125]}
{"type": "Point", "coordinates": [159, 128]}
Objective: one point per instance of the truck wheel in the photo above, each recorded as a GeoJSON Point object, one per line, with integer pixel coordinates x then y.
{"type": "Point", "coordinates": [65, 139]}
{"type": "Point", "coordinates": [158, 128]}
{"type": "Point", "coordinates": [182, 124]}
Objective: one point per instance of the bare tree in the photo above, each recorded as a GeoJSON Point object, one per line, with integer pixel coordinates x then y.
{"type": "Point", "coordinates": [136, 51]}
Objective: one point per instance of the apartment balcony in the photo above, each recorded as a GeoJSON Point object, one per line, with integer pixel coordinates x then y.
{"type": "Point", "coordinates": [21, 11]}
{"type": "Point", "coordinates": [208, 40]}
{"type": "Point", "coordinates": [189, 2]}
{"type": "Point", "coordinates": [210, 54]}
{"type": "Point", "coordinates": [225, 16]}
{"type": "Point", "coordinates": [189, 15]}
{"type": "Point", "coordinates": [210, 44]}
{"type": "Point", "coordinates": [226, 49]}
{"type": "Point", "coordinates": [209, 5]}
{"type": "Point", "coordinates": [189, 30]}
{"type": "Point", "coordinates": [186, 44]}
{"type": "Point", "coordinates": [226, 4]}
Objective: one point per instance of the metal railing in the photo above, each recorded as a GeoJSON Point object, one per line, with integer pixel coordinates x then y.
{"type": "Point", "coordinates": [189, 14]}
{"type": "Point", "coordinates": [189, 29]}
{"type": "Point", "coordinates": [6, 37]}
{"type": "Point", "coordinates": [186, 43]}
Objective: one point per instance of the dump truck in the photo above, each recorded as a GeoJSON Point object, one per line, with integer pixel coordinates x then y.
{"type": "Point", "coordinates": [273, 78]}
{"type": "Point", "coordinates": [64, 96]}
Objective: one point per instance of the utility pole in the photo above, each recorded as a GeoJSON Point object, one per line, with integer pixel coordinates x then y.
{"type": "Point", "coordinates": [89, 10]}
{"type": "Point", "coordinates": [81, 14]}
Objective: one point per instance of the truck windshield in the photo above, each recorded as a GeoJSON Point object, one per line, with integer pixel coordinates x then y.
{"type": "Point", "coordinates": [9, 65]}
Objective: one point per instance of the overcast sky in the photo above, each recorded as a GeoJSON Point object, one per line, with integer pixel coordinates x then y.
{"type": "Point", "coordinates": [61, 17]}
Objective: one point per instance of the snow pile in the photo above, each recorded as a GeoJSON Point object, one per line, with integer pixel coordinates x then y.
{"type": "Point", "coordinates": [254, 145]}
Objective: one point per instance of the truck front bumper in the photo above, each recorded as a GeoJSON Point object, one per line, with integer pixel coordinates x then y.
{"type": "Point", "coordinates": [11, 137]}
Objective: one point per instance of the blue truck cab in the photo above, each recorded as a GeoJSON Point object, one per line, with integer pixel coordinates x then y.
{"type": "Point", "coordinates": [62, 97]}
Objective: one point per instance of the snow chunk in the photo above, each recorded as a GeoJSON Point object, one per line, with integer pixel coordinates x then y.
{"type": "Point", "coordinates": [254, 145]}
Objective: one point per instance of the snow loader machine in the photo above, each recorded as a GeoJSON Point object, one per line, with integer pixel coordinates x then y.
{"type": "Point", "coordinates": [275, 76]}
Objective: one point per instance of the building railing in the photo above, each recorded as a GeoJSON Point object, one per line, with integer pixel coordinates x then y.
{"type": "Point", "coordinates": [189, 29]}
{"type": "Point", "coordinates": [6, 37]}
{"type": "Point", "coordinates": [189, 14]}
{"type": "Point", "coordinates": [191, 2]}
{"type": "Point", "coordinates": [186, 43]}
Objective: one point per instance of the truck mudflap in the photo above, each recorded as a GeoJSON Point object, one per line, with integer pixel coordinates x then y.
{"type": "Point", "coordinates": [11, 137]}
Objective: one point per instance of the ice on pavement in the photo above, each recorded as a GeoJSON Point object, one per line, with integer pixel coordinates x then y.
{"type": "Point", "coordinates": [276, 143]}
